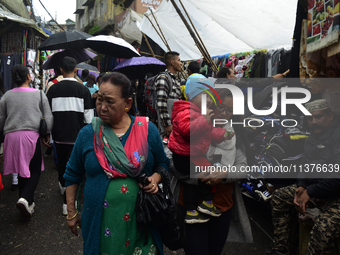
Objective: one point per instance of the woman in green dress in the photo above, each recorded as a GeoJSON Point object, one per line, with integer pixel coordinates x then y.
{"type": "Point", "coordinates": [112, 151]}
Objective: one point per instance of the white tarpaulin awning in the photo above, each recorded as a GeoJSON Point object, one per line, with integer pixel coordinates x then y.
{"type": "Point", "coordinates": [225, 26]}
{"type": "Point", "coordinates": [128, 26]}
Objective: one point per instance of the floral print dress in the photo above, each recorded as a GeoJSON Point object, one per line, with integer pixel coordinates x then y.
{"type": "Point", "coordinates": [120, 234]}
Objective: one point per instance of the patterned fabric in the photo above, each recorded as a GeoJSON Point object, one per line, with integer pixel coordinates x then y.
{"type": "Point", "coordinates": [317, 105]}
{"type": "Point", "coordinates": [116, 160]}
{"type": "Point", "coordinates": [119, 215]}
{"type": "Point", "coordinates": [250, 67]}
{"type": "Point", "coordinates": [162, 87]}
{"type": "Point", "coordinates": [325, 229]}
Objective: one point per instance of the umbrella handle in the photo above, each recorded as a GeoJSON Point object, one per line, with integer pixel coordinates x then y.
{"type": "Point", "coordinates": [135, 97]}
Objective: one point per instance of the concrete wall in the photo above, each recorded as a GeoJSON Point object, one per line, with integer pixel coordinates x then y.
{"type": "Point", "coordinates": [101, 14]}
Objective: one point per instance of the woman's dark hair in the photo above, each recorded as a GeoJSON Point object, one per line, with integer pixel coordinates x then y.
{"type": "Point", "coordinates": [90, 80]}
{"type": "Point", "coordinates": [19, 74]}
{"type": "Point", "coordinates": [194, 67]}
{"type": "Point", "coordinates": [100, 77]}
{"type": "Point", "coordinates": [121, 81]}
{"type": "Point", "coordinates": [85, 73]}
{"type": "Point", "coordinates": [222, 73]}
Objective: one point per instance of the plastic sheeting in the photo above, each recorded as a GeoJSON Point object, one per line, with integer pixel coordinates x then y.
{"type": "Point", "coordinates": [128, 26]}
{"type": "Point", "coordinates": [17, 7]}
{"type": "Point", "coordinates": [16, 18]}
{"type": "Point", "coordinates": [225, 26]}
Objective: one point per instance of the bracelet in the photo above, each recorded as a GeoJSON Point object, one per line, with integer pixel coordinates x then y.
{"type": "Point", "coordinates": [159, 176]}
{"type": "Point", "coordinates": [72, 216]}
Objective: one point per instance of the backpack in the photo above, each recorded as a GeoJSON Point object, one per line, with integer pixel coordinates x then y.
{"type": "Point", "coordinates": [55, 81]}
{"type": "Point", "coordinates": [150, 97]}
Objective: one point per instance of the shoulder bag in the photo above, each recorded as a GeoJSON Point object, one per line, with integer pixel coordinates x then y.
{"type": "Point", "coordinates": [43, 125]}
{"type": "Point", "coordinates": [160, 210]}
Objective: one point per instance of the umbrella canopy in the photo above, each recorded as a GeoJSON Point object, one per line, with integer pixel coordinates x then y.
{"type": "Point", "coordinates": [111, 45]}
{"type": "Point", "coordinates": [138, 67]}
{"type": "Point", "coordinates": [65, 40]}
{"type": "Point", "coordinates": [80, 55]}
{"type": "Point", "coordinates": [83, 66]}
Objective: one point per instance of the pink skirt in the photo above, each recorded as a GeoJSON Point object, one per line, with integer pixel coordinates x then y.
{"type": "Point", "coordinates": [19, 148]}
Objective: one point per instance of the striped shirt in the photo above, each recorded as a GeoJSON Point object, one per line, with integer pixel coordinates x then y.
{"type": "Point", "coordinates": [162, 88]}
{"type": "Point", "coordinates": [70, 103]}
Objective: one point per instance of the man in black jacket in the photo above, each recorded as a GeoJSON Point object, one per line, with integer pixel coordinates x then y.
{"type": "Point", "coordinates": [322, 154]}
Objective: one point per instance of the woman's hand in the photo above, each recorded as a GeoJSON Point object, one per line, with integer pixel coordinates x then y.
{"type": "Point", "coordinates": [212, 181]}
{"type": "Point", "coordinates": [46, 140]}
{"type": "Point", "coordinates": [153, 185]}
{"type": "Point", "coordinates": [214, 178]}
{"type": "Point", "coordinates": [278, 76]}
{"type": "Point", "coordinates": [74, 223]}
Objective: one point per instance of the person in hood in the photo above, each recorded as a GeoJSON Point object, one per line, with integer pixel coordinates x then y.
{"type": "Point", "coordinates": [189, 141]}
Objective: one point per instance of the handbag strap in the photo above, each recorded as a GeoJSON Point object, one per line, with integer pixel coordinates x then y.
{"type": "Point", "coordinates": [41, 105]}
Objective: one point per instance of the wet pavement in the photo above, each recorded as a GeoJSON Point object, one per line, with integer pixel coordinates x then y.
{"type": "Point", "coordinates": [47, 231]}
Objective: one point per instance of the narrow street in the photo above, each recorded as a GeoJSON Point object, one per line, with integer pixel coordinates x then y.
{"type": "Point", "coordinates": [47, 231]}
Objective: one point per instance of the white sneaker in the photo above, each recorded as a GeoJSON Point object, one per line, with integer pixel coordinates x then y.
{"type": "Point", "coordinates": [65, 209]}
{"type": "Point", "coordinates": [62, 189]}
{"type": "Point", "coordinates": [24, 208]}
{"type": "Point", "coordinates": [32, 207]}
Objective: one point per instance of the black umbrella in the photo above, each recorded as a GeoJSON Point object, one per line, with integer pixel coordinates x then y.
{"type": "Point", "coordinates": [65, 40]}
{"type": "Point", "coordinates": [80, 55]}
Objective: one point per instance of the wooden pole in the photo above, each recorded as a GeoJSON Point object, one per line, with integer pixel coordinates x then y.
{"type": "Point", "coordinates": [148, 44]}
{"type": "Point", "coordinates": [164, 40]}
{"type": "Point", "coordinates": [197, 42]}
{"type": "Point", "coordinates": [165, 43]}
{"type": "Point", "coordinates": [199, 37]}
{"type": "Point", "coordinates": [147, 53]}
{"type": "Point", "coordinates": [159, 28]}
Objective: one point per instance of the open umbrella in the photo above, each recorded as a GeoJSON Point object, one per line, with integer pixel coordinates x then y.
{"type": "Point", "coordinates": [92, 69]}
{"type": "Point", "coordinates": [80, 55]}
{"type": "Point", "coordinates": [65, 40]}
{"type": "Point", "coordinates": [83, 66]}
{"type": "Point", "coordinates": [137, 67]}
{"type": "Point", "coordinates": [111, 45]}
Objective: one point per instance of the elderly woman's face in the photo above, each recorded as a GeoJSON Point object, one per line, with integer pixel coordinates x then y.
{"type": "Point", "coordinates": [226, 110]}
{"type": "Point", "coordinates": [110, 105]}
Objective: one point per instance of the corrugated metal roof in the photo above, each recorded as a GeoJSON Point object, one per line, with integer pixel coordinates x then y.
{"type": "Point", "coordinates": [16, 18]}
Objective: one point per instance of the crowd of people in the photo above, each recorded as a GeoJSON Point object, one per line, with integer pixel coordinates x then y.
{"type": "Point", "coordinates": [102, 147]}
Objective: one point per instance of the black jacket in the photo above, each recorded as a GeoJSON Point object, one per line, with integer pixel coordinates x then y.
{"type": "Point", "coordinates": [323, 150]}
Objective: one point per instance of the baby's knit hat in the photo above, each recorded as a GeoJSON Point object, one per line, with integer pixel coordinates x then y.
{"type": "Point", "coordinates": [195, 84]}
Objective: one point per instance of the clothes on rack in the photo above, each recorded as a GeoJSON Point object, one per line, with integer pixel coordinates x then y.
{"type": "Point", "coordinates": [7, 62]}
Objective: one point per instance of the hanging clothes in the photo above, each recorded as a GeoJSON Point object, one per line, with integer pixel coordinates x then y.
{"type": "Point", "coordinates": [258, 70]}
{"type": "Point", "coordinates": [276, 61]}
{"type": "Point", "coordinates": [7, 62]}
{"type": "Point", "coordinates": [247, 73]}
{"type": "Point", "coordinates": [269, 63]}
{"type": "Point", "coordinates": [31, 57]}
{"type": "Point", "coordinates": [284, 61]}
